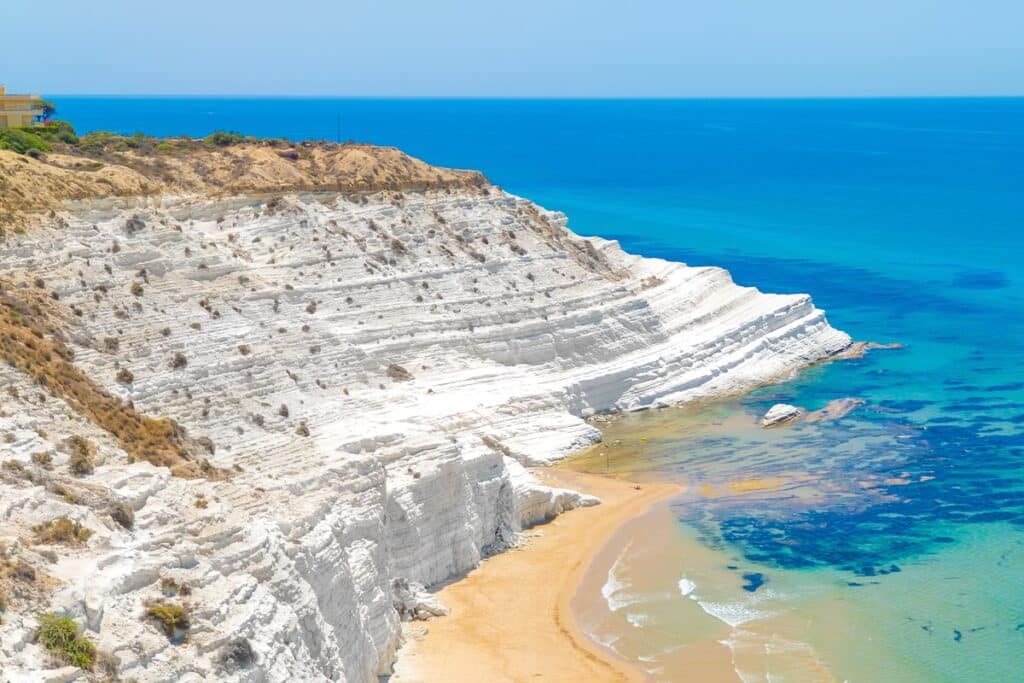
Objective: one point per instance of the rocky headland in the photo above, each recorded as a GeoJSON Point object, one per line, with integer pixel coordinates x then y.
{"type": "Point", "coordinates": [258, 395]}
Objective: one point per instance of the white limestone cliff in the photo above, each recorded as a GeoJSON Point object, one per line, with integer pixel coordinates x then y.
{"type": "Point", "coordinates": [376, 372]}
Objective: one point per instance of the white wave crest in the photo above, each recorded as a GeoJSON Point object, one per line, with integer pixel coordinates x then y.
{"type": "Point", "coordinates": [614, 588]}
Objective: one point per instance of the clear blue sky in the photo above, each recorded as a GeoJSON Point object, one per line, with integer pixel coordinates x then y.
{"type": "Point", "coordinates": [545, 48]}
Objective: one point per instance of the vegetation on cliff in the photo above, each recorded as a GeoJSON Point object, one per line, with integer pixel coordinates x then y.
{"type": "Point", "coordinates": [43, 166]}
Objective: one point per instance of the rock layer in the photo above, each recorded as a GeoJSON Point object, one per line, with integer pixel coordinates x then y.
{"type": "Point", "coordinates": [375, 372]}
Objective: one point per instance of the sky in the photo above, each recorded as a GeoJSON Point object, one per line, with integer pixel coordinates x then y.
{"type": "Point", "coordinates": [515, 48]}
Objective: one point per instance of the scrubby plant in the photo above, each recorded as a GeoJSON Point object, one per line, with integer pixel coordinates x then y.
{"type": "Point", "coordinates": [222, 138]}
{"type": "Point", "coordinates": [81, 455]}
{"type": "Point", "coordinates": [170, 587]}
{"type": "Point", "coordinates": [61, 636]}
{"type": "Point", "coordinates": [302, 429]}
{"type": "Point", "coordinates": [137, 289]}
{"type": "Point", "coordinates": [125, 376]}
{"type": "Point", "coordinates": [178, 361]}
{"type": "Point", "coordinates": [43, 458]}
{"type": "Point", "coordinates": [171, 617]}
{"type": "Point", "coordinates": [62, 530]}
{"type": "Point", "coordinates": [244, 349]}
{"type": "Point", "coordinates": [14, 467]}
{"type": "Point", "coordinates": [66, 493]}
{"type": "Point", "coordinates": [23, 141]}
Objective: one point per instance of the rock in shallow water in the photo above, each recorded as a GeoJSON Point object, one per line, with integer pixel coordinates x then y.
{"type": "Point", "coordinates": [781, 413]}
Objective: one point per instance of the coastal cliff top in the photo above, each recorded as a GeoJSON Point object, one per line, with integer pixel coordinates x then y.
{"type": "Point", "coordinates": [101, 165]}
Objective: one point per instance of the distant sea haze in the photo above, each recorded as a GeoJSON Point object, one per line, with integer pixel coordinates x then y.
{"type": "Point", "coordinates": [902, 523]}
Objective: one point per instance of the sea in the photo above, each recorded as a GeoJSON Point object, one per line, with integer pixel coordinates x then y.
{"type": "Point", "coordinates": [883, 546]}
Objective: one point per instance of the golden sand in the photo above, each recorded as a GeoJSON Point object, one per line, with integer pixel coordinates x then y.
{"type": "Point", "coordinates": [511, 619]}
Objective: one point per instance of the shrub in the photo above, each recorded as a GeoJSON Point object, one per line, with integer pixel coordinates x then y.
{"type": "Point", "coordinates": [66, 493]}
{"type": "Point", "coordinates": [178, 361]}
{"type": "Point", "coordinates": [15, 467]}
{"type": "Point", "coordinates": [302, 429]}
{"type": "Point", "coordinates": [222, 138]}
{"type": "Point", "coordinates": [170, 587]}
{"type": "Point", "coordinates": [43, 459]}
{"type": "Point", "coordinates": [137, 289]}
{"type": "Point", "coordinates": [171, 617]}
{"type": "Point", "coordinates": [55, 131]}
{"type": "Point", "coordinates": [283, 410]}
{"type": "Point", "coordinates": [82, 455]}
{"type": "Point", "coordinates": [244, 349]}
{"type": "Point", "coordinates": [125, 376]}
{"type": "Point", "coordinates": [62, 530]}
{"type": "Point", "coordinates": [61, 636]}
{"type": "Point", "coordinates": [22, 141]}
{"type": "Point", "coordinates": [22, 571]}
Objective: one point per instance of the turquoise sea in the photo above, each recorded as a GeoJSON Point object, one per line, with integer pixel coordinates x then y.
{"type": "Point", "coordinates": [887, 545]}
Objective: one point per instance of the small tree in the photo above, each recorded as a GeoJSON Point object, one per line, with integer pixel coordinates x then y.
{"type": "Point", "coordinates": [46, 109]}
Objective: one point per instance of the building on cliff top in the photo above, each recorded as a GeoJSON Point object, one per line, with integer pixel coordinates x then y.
{"type": "Point", "coordinates": [19, 110]}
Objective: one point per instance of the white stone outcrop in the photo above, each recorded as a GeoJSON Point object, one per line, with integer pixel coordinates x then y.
{"type": "Point", "coordinates": [781, 413]}
{"type": "Point", "coordinates": [350, 477]}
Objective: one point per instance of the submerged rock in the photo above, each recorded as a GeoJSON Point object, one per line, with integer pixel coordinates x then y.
{"type": "Point", "coordinates": [835, 409]}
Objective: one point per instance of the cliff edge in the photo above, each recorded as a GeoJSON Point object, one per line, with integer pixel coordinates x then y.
{"type": "Point", "coordinates": [355, 354]}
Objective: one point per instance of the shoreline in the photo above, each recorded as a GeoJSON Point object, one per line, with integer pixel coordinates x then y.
{"type": "Point", "coordinates": [511, 617]}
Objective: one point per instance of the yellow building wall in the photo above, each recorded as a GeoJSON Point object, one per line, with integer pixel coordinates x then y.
{"type": "Point", "coordinates": [18, 110]}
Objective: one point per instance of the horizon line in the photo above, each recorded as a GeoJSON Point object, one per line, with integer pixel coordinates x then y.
{"type": "Point", "coordinates": [653, 98]}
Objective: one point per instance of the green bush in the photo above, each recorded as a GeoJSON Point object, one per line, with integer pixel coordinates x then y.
{"type": "Point", "coordinates": [56, 131]}
{"type": "Point", "coordinates": [222, 138]}
{"type": "Point", "coordinates": [101, 141]}
{"type": "Point", "coordinates": [61, 636]}
{"type": "Point", "coordinates": [21, 140]}
{"type": "Point", "coordinates": [171, 617]}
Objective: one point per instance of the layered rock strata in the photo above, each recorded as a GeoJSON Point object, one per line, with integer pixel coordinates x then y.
{"type": "Point", "coordinates": [372, 372]}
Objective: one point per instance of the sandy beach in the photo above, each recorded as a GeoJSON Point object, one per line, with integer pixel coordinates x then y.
{"type": "Point", "coordinates": [511, 619]}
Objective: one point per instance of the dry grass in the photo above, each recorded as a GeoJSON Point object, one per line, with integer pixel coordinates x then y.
{"type": "Point", "coordinates": [32, 341]}
{"type": "Point", "coordinates": [182, 166]}
{"type": "Point", "coordinates": [62, 530]}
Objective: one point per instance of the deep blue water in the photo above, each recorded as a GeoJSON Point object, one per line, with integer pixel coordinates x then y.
{"type": "Point", "coordinates": [903, 218]}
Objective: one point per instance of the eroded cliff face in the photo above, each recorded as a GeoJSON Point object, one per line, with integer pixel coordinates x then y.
{"type": "Point", "coordinates": [372, 372]}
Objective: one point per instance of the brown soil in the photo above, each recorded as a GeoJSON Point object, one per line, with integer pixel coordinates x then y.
{"type": "Point", "coordinates": [193, 167]}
